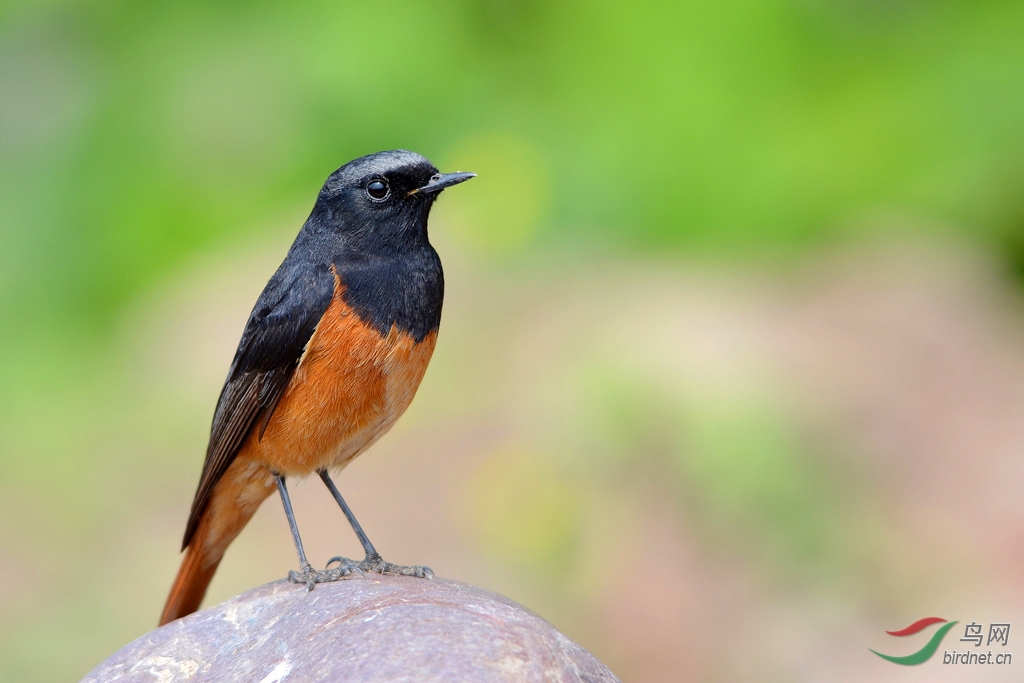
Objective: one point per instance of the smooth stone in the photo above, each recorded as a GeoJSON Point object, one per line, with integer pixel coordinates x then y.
{"type": "Point", "coordinates": [363, 629]}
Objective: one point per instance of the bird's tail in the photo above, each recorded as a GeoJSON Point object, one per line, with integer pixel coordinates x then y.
{"type": "Point", "coordinates": [190, 585]}
{"type": "Point", "coordinates": [230, 508]}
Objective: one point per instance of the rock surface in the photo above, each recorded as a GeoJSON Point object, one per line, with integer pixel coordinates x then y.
{"type": "Point", "coordinates": [372, 628]}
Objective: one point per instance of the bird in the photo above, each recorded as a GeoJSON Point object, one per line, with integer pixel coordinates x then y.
{"type": "Point", "coordinates": [330, 357]}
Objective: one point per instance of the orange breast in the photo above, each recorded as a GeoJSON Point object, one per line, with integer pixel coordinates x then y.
{"type": "Point", "coordinates": [351, 385]}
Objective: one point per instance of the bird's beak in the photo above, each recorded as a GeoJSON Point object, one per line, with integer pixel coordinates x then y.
{"type": "Point", "coordinates": [440, 181]}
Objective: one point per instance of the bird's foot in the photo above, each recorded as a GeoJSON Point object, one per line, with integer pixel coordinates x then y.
{"type": "Point", "coordinates": [376, 564]}
{"type": "Point", "coordinates": [311, 577]}
{"type": "Point", "coordinates": [345, 568]}
{"type": "Point", "coordinates": [306, 575]}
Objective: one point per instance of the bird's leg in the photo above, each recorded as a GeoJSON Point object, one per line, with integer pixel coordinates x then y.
{"type": "Point", "coordinates": [306, 573]}
{"type": "Point", "coordinates": [368, 548]}
{"type": "Point", "coordinates": [373, 562]}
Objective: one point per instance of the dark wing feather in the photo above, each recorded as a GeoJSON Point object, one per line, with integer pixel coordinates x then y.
{"type": "Point", "coordinates": [279, 327]}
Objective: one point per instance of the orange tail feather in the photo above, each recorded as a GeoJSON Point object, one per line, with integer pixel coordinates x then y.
{"type": "Point", "coordinates": [190, 585]}
{"type": "Point", "coordinates": [235, 500]}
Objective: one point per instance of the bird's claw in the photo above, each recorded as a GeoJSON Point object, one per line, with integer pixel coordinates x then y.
{"type": "Point", "coordinates": [378, 565]}
{"type": "Point", "coordinates": [306, 575]}
{"type": "Point", "coordinates": [311, 577]}
{"type": "Point", "coordinates": [345, 568]}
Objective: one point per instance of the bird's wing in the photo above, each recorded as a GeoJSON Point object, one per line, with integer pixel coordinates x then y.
{"type": "Point", "coordinates": [279, 327]}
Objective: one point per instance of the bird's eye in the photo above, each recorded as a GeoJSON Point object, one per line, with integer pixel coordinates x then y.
{"type": "Point", "coordinates": [377, 189]}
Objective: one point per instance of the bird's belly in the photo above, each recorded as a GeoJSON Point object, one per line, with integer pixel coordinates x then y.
{"type": "Point", "coordinates": [351, 385]}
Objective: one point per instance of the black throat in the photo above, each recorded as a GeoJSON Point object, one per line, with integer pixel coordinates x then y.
{"type": "Point", "coordinates": [404, 289]}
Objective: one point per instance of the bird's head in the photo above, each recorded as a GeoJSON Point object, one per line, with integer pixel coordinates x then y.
{"type": "Point", "coordinates": [384, 197]}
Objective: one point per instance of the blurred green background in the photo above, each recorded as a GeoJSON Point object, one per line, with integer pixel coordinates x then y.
{"type": "Point", "coordinates": [732, 306]}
